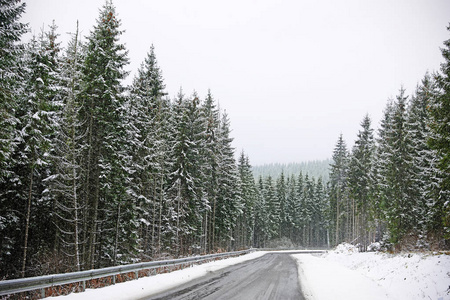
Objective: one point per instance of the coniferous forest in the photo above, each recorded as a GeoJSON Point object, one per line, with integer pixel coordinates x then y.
{"type": "Point", "coordinates": [94, 173]}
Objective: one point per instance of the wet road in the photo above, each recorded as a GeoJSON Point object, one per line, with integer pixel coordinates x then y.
{"type": "Point", "coordinates": [271, 276]}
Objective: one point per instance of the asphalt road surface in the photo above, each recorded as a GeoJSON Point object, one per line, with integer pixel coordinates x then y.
{"type": "Point", "coordinates": [271, 276]}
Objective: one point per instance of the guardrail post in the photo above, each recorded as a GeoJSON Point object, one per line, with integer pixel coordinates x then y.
{"type": "Point", "coordinates": [137, 274]}
{"type": "Point", "coordinates": [83, 285]}
{"type": "Point", "coordinates": [114, 279]}
{"type": "Point", "coordinates": [43, 293]}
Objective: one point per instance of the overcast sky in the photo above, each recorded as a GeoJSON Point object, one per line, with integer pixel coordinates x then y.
{"type": "Point", "coordinates": [292, 75]}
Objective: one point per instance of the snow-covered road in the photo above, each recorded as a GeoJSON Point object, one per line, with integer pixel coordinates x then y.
{"type": "Point", "coordinates": [272, 276]}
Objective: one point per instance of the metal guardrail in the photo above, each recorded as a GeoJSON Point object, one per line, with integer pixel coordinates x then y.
{"type": "Point", "coordinates": [13, 286]}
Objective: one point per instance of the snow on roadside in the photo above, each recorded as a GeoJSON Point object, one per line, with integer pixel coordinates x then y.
{"type": "Point", "coordinates": [147, 286]}
{"type": "Point", "coordinates": [321, 279]}
{"type": "Point", "coordinates": [346, 274]}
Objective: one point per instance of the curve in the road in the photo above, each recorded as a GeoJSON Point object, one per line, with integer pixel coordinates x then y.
{"type": "Point", "coordinates": [271, 276]}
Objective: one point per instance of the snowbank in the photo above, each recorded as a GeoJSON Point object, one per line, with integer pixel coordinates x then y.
{"type": "Point", "coordinates": [147, 286]}
{"type": "Point", "coordinates": [347, 274]}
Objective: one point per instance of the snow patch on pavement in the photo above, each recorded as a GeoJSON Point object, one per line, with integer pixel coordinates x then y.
{"type": "Point", "coordinates": [148, 286]}
{"type": "Point", "coordinates": [347, 274]}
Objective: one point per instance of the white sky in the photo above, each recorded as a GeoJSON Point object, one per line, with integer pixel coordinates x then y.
{"type": "Point", "coordinates": [291, 74]}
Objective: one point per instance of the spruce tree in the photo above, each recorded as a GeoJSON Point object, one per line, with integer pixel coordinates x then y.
{"type": "Point", "coordinates": [35, 113]}
{"type": "Point", "coordinates": [281, 199]}
{"type": "Point", "coordinates": [210, 154]}
{"type": "Point", "coordinates": [261, 217]}
{"type": "Point", "coordinates": [422, 165]}
{"type": "Point", "coordinates": [248, 195]}
{"type": "Point", "coordinates": [360, 179]}
{"type": "Point", "coordinates": [272, 209]}
{"type": "Point", "coordinates": [291, 211]}
{"type": "Point", "coordinates": [146, 127]}
{"type": "Point", "coordinates": [394, 178]}
{"type": "Point", "coordinates": [67, 173]}
{"type": "Point", "coordinates": [440, 138]}
{"type": "Point", "coordinates": [229, 203]}
{"type": "Point", "coordinates": [105, 154]}
{"type": "Point", "coordinates": [299, 204]}
{"type": "Point", "coordinates": [185, 182]}
{"type": "Point", "coordinates": [319, 221]}
{"type": "Point", "coordinates": [11, 31]}
{"type": "Point", "coordinates": [339, 191]}
{"type": "Point", "coordinates": [11, 52]}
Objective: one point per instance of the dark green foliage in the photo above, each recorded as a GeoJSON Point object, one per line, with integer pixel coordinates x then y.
{"type": "Point", "coordinates": [291, 213]}
{"type": "Point", "coordinates": [440, 135]}
{"type": "Point", "coordinates": [339, 200]}
{"type": "Point", "coordinates": [359, 180]}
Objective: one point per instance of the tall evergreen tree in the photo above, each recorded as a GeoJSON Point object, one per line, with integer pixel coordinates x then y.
{"type": "Point", "coordinates": [394, 180]}
{"type": "Point", "coordinates": [11, 51]}
{"type": "Point", "coordinates": [272, 209]}
{"type": "Point", "coordinates": [185, 183]}
{"type": "Point", "coordinates": [440, 137]}
{"type": "Point", "coordinates": [11, 31]}
{"type": "Point", "coordinates": [422, 165]}
{"type": "Point", "coordinates": [339, 191]}
{"type": "Point", "coordinates": [261, 216]}
{"type": "Point", "coordinates": [281, 199]}
{"type": "Point", "coordinates": [147, 126]}
{"type": "Point", "coordinates": [360, 179]}
{"type": "Point", "coordinates": [36, 124]}
{"type": "Point", "coordinates": [319, 221]}
{"type": "Point", "coordinates": [291, 209]}
{"type": "Point", "coordinates": [229, 204]}
{"type": "Point", "coordinates": [245, 223]}
{"type": "Point", "coordinates": [65, 181]}
{"type": "Point", "coordinates": [210, 154]}
{"type": "Point", "coordinates": [106, 158]}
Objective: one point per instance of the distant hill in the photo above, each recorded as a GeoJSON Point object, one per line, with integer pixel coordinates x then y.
{"type": "Point", "coordinates": [314, 169]}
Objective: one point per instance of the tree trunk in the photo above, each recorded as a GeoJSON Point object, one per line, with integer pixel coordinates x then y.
{"type": "Point", "coordinates": [75, 206]}
{"type": "Point", "coordinates": [27, 224]}
{"type": "Point", "coordinates": [116, 244]}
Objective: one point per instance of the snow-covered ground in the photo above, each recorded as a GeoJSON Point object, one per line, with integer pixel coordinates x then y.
{"type": "Point", "coordinates": [346, 274]}
{"type": "Point", "coordinates": [339, 274]}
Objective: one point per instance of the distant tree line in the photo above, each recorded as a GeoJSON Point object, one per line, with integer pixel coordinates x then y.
{"type": "Point", "coordinates": [316, 169]}
{"type": "Point", "coordinates": [94, 173]}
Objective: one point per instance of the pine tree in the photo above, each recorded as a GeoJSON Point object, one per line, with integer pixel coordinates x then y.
{"type": "Point", "coordinates": [359, 180]}
{"type": "Point", "coordinates": [394, 179]}
{"type": "Point", "coordinates": [11, 52]}
{"type": "Point", "coordinates": [229, 203]}
{"type": "Point", "coordinates": [148, 147]}
{"type": "Point", "coordinates": [36, 124]}
{"type": "Point", "coordinates": [299, 223]}
{"type": "Point", "coordinates": [319, 216]}
{"type": "Point", "coordinates": [339, 191]}
{"type": "Point", "coordinates": [261, 217]}
{"type": "Point", "coordinates": [440, 138]}
{"type": "Point", "coordinates": [210, 154]}
{"type": "Point", "coordinates": [291, 209]}
{"type": "Point", "coordinates": [11, 31]}
{"type": "Point", "coordinates": [106, 157]}
{"type": "Point", "coordinates": [185, 182]}
{"type": "Point", "coordinates": [308, 210]}
{"type": "Point", "coordinates": [245, 224]}
{"type": "Point", "coordinates": [422, 165]}
{"type": "Point", "coordinates": [66, 179]}
{"type": "Point", "coordinates": [272, 209]}
{"type": "Point", "coordinates": [281, 199]}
